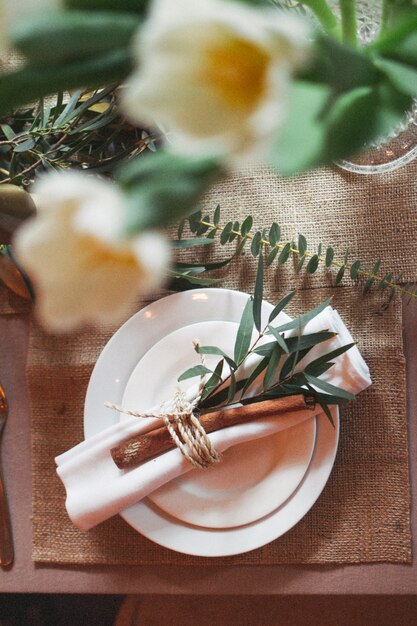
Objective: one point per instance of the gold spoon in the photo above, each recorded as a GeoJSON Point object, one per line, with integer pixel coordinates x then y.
{"type": "Point", "coordinates": [6, 541]}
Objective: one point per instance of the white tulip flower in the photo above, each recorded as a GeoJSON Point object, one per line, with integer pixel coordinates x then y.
{"type": "Point", "coordinates": [82, 268]}
{"type": "Point", "coordinates": [216, 73]}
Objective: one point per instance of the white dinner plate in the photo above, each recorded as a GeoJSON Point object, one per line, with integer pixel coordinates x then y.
{"type": "Point", "coordinates": [255, 477]}
{"type": "Point", "coordinates": [108, 382]}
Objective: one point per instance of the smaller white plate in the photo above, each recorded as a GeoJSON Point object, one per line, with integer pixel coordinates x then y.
{"type": "Point", "coordinates": [254, 478]}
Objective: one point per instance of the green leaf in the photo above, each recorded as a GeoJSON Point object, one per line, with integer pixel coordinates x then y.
{"type": "Point", "coordinates": [300, 263]}
{"type": "Point", "coordinates": [271, 256]}
{"type": "Point", "coordinates": [258, 294]}
{"type": "Point", "coordinates": [302, 245]}
{"type": "Point", "coordinates": [131, 6]}
{"type": "Point", "coordinates": [328, 388]}
{"type": "Point", "coordinates": [193, 279]}
{"type": "Point", "coordinates": [355, 267]}
{"type": "Point", "coordinates": [215, 265]}
{"type": "Point", "coordinates": [216, 216]}
{"type": "Point", "coordinates": [213, 381]}
{"type": "Point", "coordinates": [313, 264]}
{"type": "Point", "coordinates": [231, 388]}
{"type": "Point", "coordinates": [340, 274]}
{"type": "Point", "coordinates": [292, 361]}
{"type": "Point", "coordinates": [279, 338]}
{"type": "Point", "coordinates": [30, 83]}
{"type": "Point", "coordinates": [280, 306]}
{"type": "Point", "coordinates": [191, 243]}
{"type": "Point", "coordinates": [300, 141]}
{"type": "Point", "coordinates": [274, 234]}
{"type": "Point", "coordinates": [385, 280]}
{"type": "Point", "coordinates": [217, 351]}
{"type": "Point", "coordinates": [244, 333]}
{"type": "Point", "coordinates": [303, 319]}
{"type": "Point", "coordinates": [329, 256]}
{"type": "Point", "coordinates": [371, 279]}
{"type": "Point", "coordinates": [285, 253]}
{"type": "Point", "coordinates": [8, 132]}
{"type": "Point", "coordinates": [55, 38]}
{"type": "Point", "coordinates": [246, 226]}
{"type": "Point", "coordinates": [224, 236]}
{"type": "Point", "coordinates": [327, 412]}
{"type": "Point", "coordinates": [240, 246]}
{"type": "Point", "coordinates": [330, 356]}
{"type": "Point", "coordinates": [25, 145]}
{"type": "Point", "coordinates": [197, 370]}
{"type": "Point", "coordinates": [164, 187]}
{"type": "Point", "coordinates": [309, 340]}
{"type": "Point", "coordinates": [256, 243]}
{"type": "Point", "coordinates": [219, 397]}
{"type": "Point", "coordinates": [255, 373]}
{"type": "Point", "coordinates": [274, 360]}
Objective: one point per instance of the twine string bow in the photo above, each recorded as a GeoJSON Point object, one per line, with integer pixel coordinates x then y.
{"type": "Point", "coordinates": [183, 425]}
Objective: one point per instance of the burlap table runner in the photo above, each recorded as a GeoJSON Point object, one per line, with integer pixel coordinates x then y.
{"type": "Point", "coordinates": [363, 513]}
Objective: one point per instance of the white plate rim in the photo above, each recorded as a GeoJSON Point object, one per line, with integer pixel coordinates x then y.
{"type": "Point", "coordinates": [105, 386]}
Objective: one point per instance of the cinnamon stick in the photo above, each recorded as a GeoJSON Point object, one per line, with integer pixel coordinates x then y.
{"type": "Point", "coordinates": [140, 448]}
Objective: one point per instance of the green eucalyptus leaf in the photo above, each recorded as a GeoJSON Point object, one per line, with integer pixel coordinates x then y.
{"type": "Point", "coordinates": [225, 234]}
{"type": "Point", "coordinates": [303, 319]}
{"type": "Point", "coordinates": [329, 256]}
{"type": "Point", "coordinates": [274, 234]}
{"type": "Point", "coordinates": [213, 381]}
{"type": "Point", "coordinates": [255, 373]}
{"type": "Point", "coordinates": [279, 339]}
{"type": "Point", "coordinates": [330, 356]}
{"type": "Point", "coordinates": [218, 352]}
{"type": "Point", "coordinates": [131, 6]}
{"type": "Point", "coordinates": [302, 245]}
{"type": "Point", "coordinates": [30, 83]}
{"type": "Point", "coordinates": [300, 142]}
{"type": "Point", "coordinates": [271, 256]}
{"type": "Point", "coordinates": [258, 293]}
{"type": "Point", "coordinates": [285, 253]}
{"type": "Point", "coordinates": [300, 263]}
{"type": "Point", "coordinates": [256, 243]}
{"type": "Point", "coordinates": [191, 243]}
{"type": "Point", "coordinates": [355, 267]}
{"type": "Point", "coordinates": [192, 372]}
{"type": "Point", "coordinates": [25, 145]}
{"type": "Point", "coordinates": [164, 187]}
{"type": "Point", "coordinates": [329, 388]}
{"type": "Point", "coordinates": [216, 216]}
{"type": "Point", "coordinates": [71, 35]}
{"type": "Point", "coordinates": [246, 226]}
{"type": "Point", "coordinates": [244, 333]}
{"type": "Point", "coordinates": [313, 264]}
{"type": "Point", "coordinates": [280, 306]}
{"type": "Point", "coordinates": [271, 369]}
{"type": "Point", "coordinates": [340, 274]}
{"type": "Point", "coordinates": [231, 388]}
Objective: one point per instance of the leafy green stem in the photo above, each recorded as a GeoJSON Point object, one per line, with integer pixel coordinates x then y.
{"type": "Point", "coordinates": [369, 276]}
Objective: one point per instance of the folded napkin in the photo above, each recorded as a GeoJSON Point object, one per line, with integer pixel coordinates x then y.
{"type": "Point", "coordinates": [97, 489]}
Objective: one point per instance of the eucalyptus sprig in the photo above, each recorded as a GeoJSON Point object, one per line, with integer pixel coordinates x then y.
{"type": "Point", "coordinates": [277, 360]}
{"type": "Point", "coordinates": [207, 229]}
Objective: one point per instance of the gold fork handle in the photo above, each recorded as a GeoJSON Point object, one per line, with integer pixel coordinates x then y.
{"type": "Point", "coordinates": [6, 541]}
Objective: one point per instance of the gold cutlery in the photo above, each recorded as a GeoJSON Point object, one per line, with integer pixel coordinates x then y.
{"type": "Point", "coordinates": [6, 541]}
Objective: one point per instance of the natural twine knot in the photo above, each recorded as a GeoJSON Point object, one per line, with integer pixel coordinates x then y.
{"type": "Point", "coordinates": [184, 426]}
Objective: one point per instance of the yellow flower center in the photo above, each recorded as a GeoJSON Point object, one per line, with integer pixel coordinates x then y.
{"type": "Point", "coordinates": [236, 69]}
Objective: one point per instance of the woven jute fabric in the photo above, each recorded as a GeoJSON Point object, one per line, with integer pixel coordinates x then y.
{"type": "Point", "coordinates": [363, 512]}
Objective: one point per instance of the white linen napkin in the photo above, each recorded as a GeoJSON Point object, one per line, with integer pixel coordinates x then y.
{"type": "Point", "coordinates": [97, 489]}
